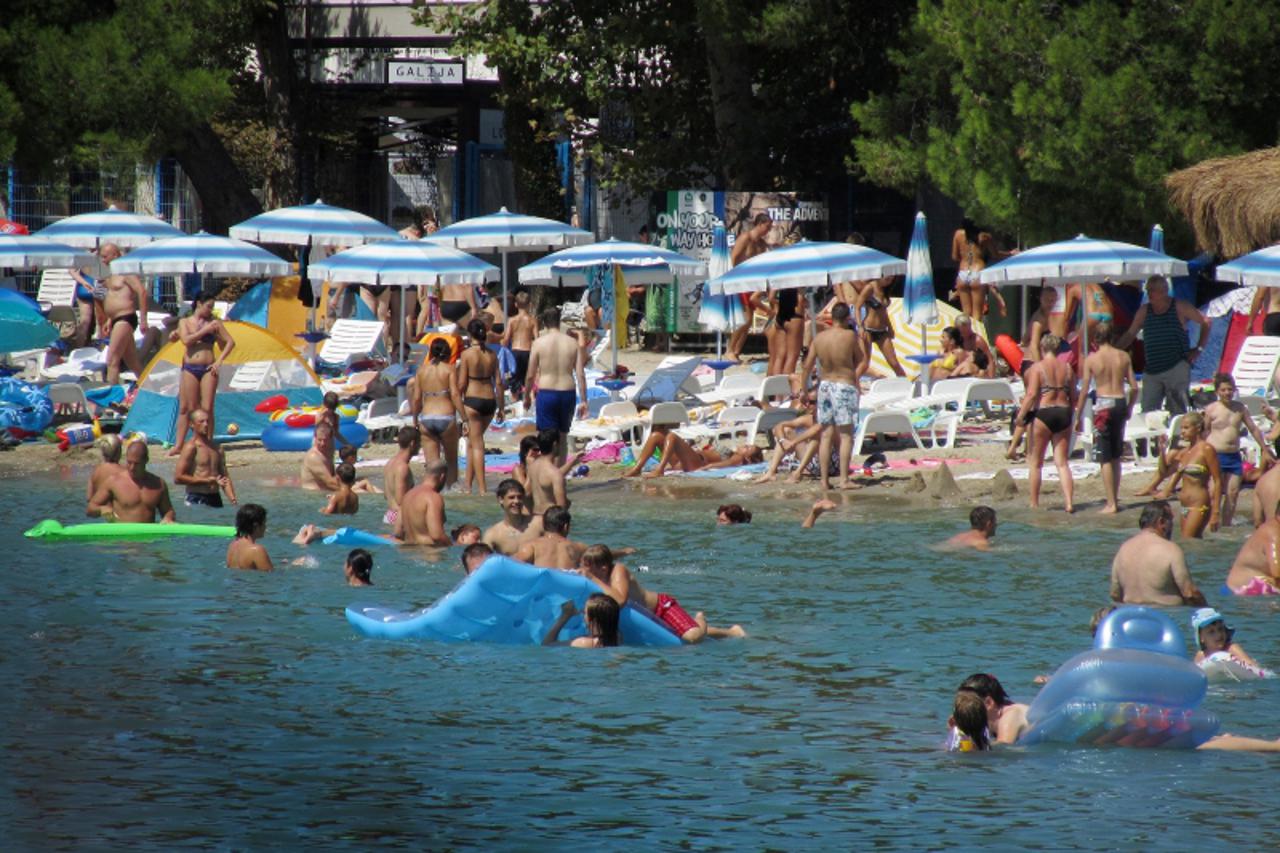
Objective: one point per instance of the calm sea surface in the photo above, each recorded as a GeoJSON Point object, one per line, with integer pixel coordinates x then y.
{"type": "Point", "coordinates": [156, 700]}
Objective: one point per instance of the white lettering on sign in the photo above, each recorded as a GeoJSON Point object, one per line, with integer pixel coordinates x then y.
{"type": "Point", "coordinates": [421, 73]}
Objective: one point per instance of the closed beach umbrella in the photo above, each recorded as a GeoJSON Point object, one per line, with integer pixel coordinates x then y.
{"type": "Point", "coordinates": [1157, 239]}
{"type": "Point", "coordinates": [808, 264]}
{"type": "Point", "coordinates": [122, 227]}
{"type": "Point", "coordinates": [505, 232]}
{"type": "Point", "coordinates": [23, 252]}
{"type": "Point", "coordinates": [1258, 269]}
{"type": "Point", "coordinates": [403, 263]}
{"type": "Point", "coordinates": [718, 311]}
{"type": "Point", "coordinates": [921, 300]}
{"type": "Point", "coordinates": [23, 328]}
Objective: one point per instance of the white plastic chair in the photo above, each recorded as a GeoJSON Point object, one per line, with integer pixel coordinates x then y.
{"type": "Point", "coordinates": [250, 376]}
{"type": "Point", "coordinates": [68, 398]}
{"type": "Point", "coordinates": [774, 386]}
{"type": "Point", "coordinates": [884, 421]}
{"type": "Point", "coordinates": [735, 389]}
{"type": "Point", "coordinates": [382, 415]}
{"type": "Point", "coordinates": [57, 295]}
{"type": "Point", "coordinates": [620, 409]}
{"type": "Point", "coordinates": [1255, 368]}
{"type": "Point", "coordinates": [731, 422]}
{"type": "Point", "coordinates": [350, 340]}
{"type": "Point", "coordinates": [668, 381]}
{"type": "Point", "coordinates": [765, 422]}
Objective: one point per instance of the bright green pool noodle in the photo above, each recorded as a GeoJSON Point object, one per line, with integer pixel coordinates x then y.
{"type": "Point", "coordinates": [51, 530]}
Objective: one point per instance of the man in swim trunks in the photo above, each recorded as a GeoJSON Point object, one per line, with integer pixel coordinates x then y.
{"type": "Point", "coordinates": [422, 518]}
{"type": "Point", "coordinates": [841, 363]}
{"type": "Point", "coordinates": [1111, 369]}
{"type": "Point", "coordinates": [1256, 570]}
{"type": "Point", "coordinates": [556, 365]}
{"type": "Point", "coordinates": [135, 494]}
{"type": "Point", "coordinates": [1266, 301]}
{"type": "Point", "coordinates": [397, 476]}
{"type": "Point", "coordinates": [1149, 568]}
{"type": "Point", "coordinates": [1224, 419]}
{"type": "Point", "coordinates": [317, 464]}
{"type": "Point", "coordinates": [126, 307]}
{"type": "Point", "coordinates": [202, 466]}
{"type": "Point", "coordinates": [982, 529]}
{"type": "Point", "coordinates": [553, 549]}
{"type": "Point", "coordinates": [546, 478]}
{"type": "Point", "coordinates": [517, 526]}
{"type": "Point", "coordinates": [748, 244]}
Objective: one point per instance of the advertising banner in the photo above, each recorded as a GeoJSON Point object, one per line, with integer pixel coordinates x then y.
{"type": "Point", "coordinates": [686, 221]}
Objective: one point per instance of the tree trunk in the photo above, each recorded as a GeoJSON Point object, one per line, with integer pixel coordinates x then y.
{"type": "Point", "coordinates": [279, 72]}
{"type": "Point", "coordinates": [225, 195]}
{"type": "Point", "coordinates": [729, 75]}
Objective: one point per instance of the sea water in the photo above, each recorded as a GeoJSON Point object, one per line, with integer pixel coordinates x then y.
{"type": "Point", "coordinates": [157, 700]}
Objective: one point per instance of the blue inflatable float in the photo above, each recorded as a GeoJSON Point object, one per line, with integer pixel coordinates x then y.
{"type": "Point", "coordinates": [25, 409]}
{"type": "Point", "coordinates": [1135, 688]}
{"type": "Point", "coordinates": [507, 602]}
{"type": "Point", "coordinates": [355, 536]}
{"type": "Point", "coordinates": [278, 436]}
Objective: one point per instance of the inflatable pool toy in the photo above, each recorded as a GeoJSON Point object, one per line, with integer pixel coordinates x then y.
{"type": "Point", "coordinates": [508, 602]}
{"type": "Point", "coordinates": [306, 416]}
{"type": "Point", "coordinates": [1010, 352]}
{"type": "Point", "coordinates": [51, 530]}
{"type": "Point", "coordinates": [77, 435]}
{"type": "Point", "coordinates": [355, 536]}
{"type": "Point", "coordinates": [1221, 667]}
{"type": "Point", "coordinates": [279, 437]}
{"type": "Point", "coordinates": [1135, 688]}
{"type": "Point", "coordinates": [272, 404]}
{"type": "Point", "coordinates": [25, 409]}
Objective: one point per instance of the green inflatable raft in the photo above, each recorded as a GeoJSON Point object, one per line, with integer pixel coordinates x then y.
{"type": "Point", "coordinates": [50, 530]}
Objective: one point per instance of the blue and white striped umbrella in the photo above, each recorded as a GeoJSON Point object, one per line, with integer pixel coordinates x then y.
{"type": "Point", "coordinates": [808, 264]}
{"type": "Point", "coordinates": [1083, 259]}
{"type": "Point", "coordinates": [23, 252]}
{"type": "Point", "coordinates": [403, 263]}
{"type": "Point", "coordinates": [121, 227]}
{"type": "Point", "coordinates": [641, 264]}
{"type": "Point", "coordinates": [506, 231]}
{"type": "Point", "coordinates": [1259, 269]}
{"type": "Point", "coordinates": [719, 312]}
{"type": "Point", "coordinates": [316, 224]}
{"type": "Point", "coordinates": [921, 299]}
{"type": "Point", "coordinates": [201, 254]}
{"type": "Point", "coordinates": [1157, 239]}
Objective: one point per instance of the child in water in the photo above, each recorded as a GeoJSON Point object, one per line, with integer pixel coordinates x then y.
{"type": "Point", "coordinates": [359, 568]}
{"type": "Point", "coordinates": [601, 617]}
{"type": "Point", "coordinates": [617, 582]}
{"type": "Point", "coordinates": [344, 501]}
{"type": "Point", "coordinates": [983, 709]}
{"type": "Point", "coordinates": [1214, 637]}
{"type": "Point", "coordinates": [245, 552]}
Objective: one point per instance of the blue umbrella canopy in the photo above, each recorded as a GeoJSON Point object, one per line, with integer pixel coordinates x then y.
{"type": "Point", "coordinates": [316, 224]}
{"type": "Point", "coordinates": [1259, 269]}
{"type": "Point", "coordinates": [808, 264]}
{"type": "Point", "coordinates": [719, 312]}
{"type": "Point", "coordinates": [201, 254]}
{"type": "Point", "coordinates": [1081, 260]}
{"type": "Point", "coordinates": [24, 252]}
{"type": "Point", "coordinates": [23, 328]}
{"type": "Point", "coordinates": [641, 264]}
{"type": "Point", "coordinates": [1157, 239]}
{"type": "Point", "coordinates": [122, 227]}
{"type": "Point", "coordinates": [922, 301]}
{"type": "Point", "coordinates": [403, 263]}
{"type": "Point", "coordinates": [505, 230]}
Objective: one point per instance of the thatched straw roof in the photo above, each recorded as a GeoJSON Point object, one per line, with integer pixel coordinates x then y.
{"type": "Point", "coordinates": [1232, 203]}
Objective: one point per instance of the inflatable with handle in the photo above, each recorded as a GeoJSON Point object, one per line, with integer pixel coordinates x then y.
{"type": "Point", "coordinates": [50, 530]}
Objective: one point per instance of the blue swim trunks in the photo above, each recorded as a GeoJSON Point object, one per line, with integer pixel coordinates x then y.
{"type": "Point", "coordinates": [1231, 463]}
{"type": "Point", "coordinates": [555, 409]}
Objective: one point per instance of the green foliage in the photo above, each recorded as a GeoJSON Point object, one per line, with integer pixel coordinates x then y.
{"type": "Point", "coordinates": [1047, 119]}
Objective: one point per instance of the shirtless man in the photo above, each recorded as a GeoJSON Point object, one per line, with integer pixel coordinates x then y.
{"type": "Point", "coordinates": [317, 464]}
{"type": "Point", "coordinates": [126, 308]}
{"type": "Point", "coordinates": [397, 476]}
{"type": "Point", "coordinates": [1150, 569]}
{"type": "Point", "coordinates": [982, 529]}
{"type": "Point", "coordinates": [135, 494]}
{"type": "Point", "coordinates": [841, 363]}
{"type": "Point", "coordinates": [749, 244]}
{"type": "Point", "coordinates": [1110, 368]}
{"type": "Point", "coordinates": [546, 478]}
{"type": "Point", "coordinates": [1224, 418]}
{"type": "Point", "coordinates": [422, 520]}
{"type": "Point", "coordinates": [518, 336]}
{"type": "Point", "coordinates": [202, 466]}
{"type": "Point", "coordinates": [1266, 494]}
{"type": "Point", "coordinates": [553, 549]}
{"type": "Point", "coordinates": [111, 448]}
{"type": "Point", "coordinates": [516, 526]}
{"type": "Point", "coordinates": [974, 343]}
{"type": "Point", "coordinates": [556, 365]}
{"type": "Point", "coordinates": [1256, 570]}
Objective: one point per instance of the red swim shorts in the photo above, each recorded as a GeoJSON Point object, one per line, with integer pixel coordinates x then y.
{"type": "Point", "coordinates": [675, 617]}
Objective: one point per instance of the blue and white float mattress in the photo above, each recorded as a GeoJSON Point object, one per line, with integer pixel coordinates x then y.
{"type": "Point", "coordinates": [1135, 688]}
{"type": "Point", "coordinates": [505, 601]}
{"type": "Point", "coordinates": [25, 409]}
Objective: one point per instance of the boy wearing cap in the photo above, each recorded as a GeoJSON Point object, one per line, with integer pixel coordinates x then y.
{"type": "Point", "coordinates": [1214, 636]}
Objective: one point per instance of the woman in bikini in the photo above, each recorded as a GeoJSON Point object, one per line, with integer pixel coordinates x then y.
{"type": "Point", "coordinates": [680, 454]}
{"type": "Point", "coordinates": [876, 328]}
{"type": "Point", "coordinates": [199, 378]}
{"type": "Point", "coordinates": [457, 304]}
{"type": "Point", "coordinates": [1051, 395]}
{"type": "Point", "coordinates": [482, 398]}
{"type": "Point", "coordinates": [973, 249]}
{"type": "Point", "coordinates": [1195, 467]}
{"type": "Point", "coordinates": [435, 402]}
{"type": "Point", "coordinates": [786, 336]}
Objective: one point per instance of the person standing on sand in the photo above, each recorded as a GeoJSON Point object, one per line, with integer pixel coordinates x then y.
{"type": "Point", "coordinates": [518, 336]}
{"type": "Point", "coordinates": [841, 363]}
{"type": "Point", "coordinates": [125, 305]}
{"type": "Point", "coordinates": [1151, 569]}
{"type": "Point", "coordinates": [135, 494]}
{"type": "Point", "coordinates": [397, 476]}
{"type": "Point", "coordinates": [198, 381]}
{"type": "Point", "coordinates": [1225, 418]}
{"type": "Point", "coordinates": [556, 365]}
{"type": "Point", "coordinates": [749, 244]}
{"type": "Point", "coordinates": [1111, 369]}
{"type": "Point", "coordinates": [1051, 397]}
{"type": "Point", "coordinates": [1169, 356]}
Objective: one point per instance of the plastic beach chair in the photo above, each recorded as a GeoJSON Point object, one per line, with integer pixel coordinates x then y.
{"type": "Point", "coordinates": [668, 382]}
{"type": "Point", "coordinates": [1255, 368]}
{"type": "Point", "coordinates": [57, 295]}
{"type": "Point", "coordinates": [350, 340]}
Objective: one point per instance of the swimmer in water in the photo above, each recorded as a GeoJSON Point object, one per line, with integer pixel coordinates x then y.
{"type": "Point", "coordinates": [1214, 635]}
{"type": "Point", "coordinates": [110, 446]}
{"type": "Point", "coordinates": [349, 454]}
{"type": "Point", "coordinates": [134, 494]}
{"type": "Point", "coordinates": [474, 555]}
{"type": "Point", "coordinates": [245, 552]}
{"type": "Point", "coordinates": [553, 549]}
{"type": "Point", "coordinates": [358, 569]}
{"type": "Point", "coordinates": [733, 514]}
{"type": "Point", "coordinates": [601, 617]}
{"type": "Point", "coordinates": [344, 501]}
{"type": "Point", "coordinates": [982, 529]}
{"type": "Point", "coordinates": [465, 534]}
